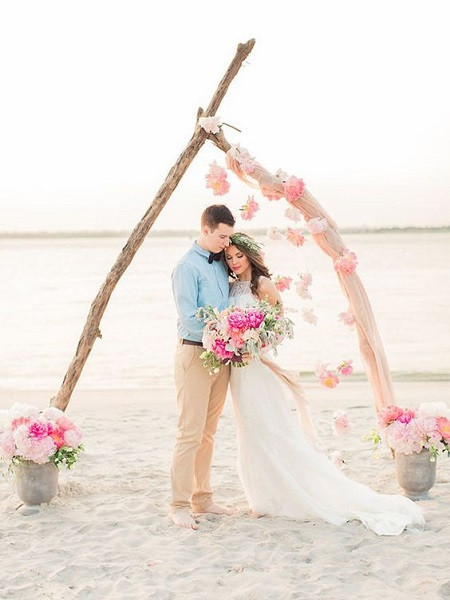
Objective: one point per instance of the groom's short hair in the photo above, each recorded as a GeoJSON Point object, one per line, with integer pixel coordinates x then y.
{"type": "Point", "coordinates": [215, 214]}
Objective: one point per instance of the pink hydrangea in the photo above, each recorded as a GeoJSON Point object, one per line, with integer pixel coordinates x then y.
{"type": "Point", "coordinates": [73, 437]}
{"type": "Point", "coordinates": [7, 446]}
{"type": "Point", "coordinates": [346, 263]}
{"type": "Point", "coordinates": [293, 188]}
{"type": "Point", "coordinates": [295, 236]}
{"type": "Point", "coordinates": [216, 179]}
{"type": "Point", "coordinates": [282, 283]}
{"type": "Point", "coordinates": [249, 209]}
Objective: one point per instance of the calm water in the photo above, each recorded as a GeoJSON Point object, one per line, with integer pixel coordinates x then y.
{"type": "Point", "coordinates": [49, 284]}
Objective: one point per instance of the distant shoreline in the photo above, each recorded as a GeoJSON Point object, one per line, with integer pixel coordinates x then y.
{"type": "Point", "coordinates": [192, 232]}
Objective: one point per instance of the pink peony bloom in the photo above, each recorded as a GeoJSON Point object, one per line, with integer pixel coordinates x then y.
{"type": "Point", "coordinates": [389, 414]}
{"type": "Point", "coordinates": [443, 426]}
{"type": "Point", "coordinates": [406, 416]}
{"type": "Point", "coordinates": [248, 210]}
{"type": "Point", "coordinates": [73, 437]}
{"type": "Point", "coordinates": [210, 124]}
{"type": "Point", "coordinates": [329, 380]}
{"type": "Point", "coordinates": [347, 318]}
{"type": "Point", "coordinates": [38, 430]}
{"type": "Point", "coordinates": [64, 423]}
{"type": "Point", "coordinates": [295, 237]}
{"type": "Point", "coordinates": [345, 368]}
{"type": "Point", "coordinates": [218, 347]}
{"type": "Point", "coordinates": [317, 225]}
{"type": "Point", "coordinates": [282, 283]}
{"type": "Point", "coordinates": [237, 321]}
{"type": "Point", "coordinates": [293, 188]}
{"type": "Point", "coordinates": [341, 423]}
{"type": "Point", "coordinates": [293, 214]}
{"type": "Point", "coordinates": [40, 451]}
{"type": "Point", "coordinates": [57, 436]}
{"type": "Point", "coordinates": [216, 179]}
{"type": "Point", "coordinates": [254, 318]}
{"type": "Point", "coordinates": [346, 263]}
{"type": "Point", "coordinates": [274, 234]}
{"type": "Point", "coordinates": [20, 421]}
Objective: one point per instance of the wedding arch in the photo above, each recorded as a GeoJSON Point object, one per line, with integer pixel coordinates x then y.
{"type": "Point", "coordinates": [271, 186]}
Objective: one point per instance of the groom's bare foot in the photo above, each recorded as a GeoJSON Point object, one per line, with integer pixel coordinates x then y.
{"type": "Point", "coordinates": [215, 509]}
{"type": "Point", "coordinates": [182, 518]}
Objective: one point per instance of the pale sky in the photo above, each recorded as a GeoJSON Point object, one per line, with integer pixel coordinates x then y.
{"type": "Point", "coordinates": [98, 98]}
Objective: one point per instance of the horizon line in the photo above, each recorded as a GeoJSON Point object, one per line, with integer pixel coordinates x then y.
{"type": "Point", "coordinates": [115, 233]}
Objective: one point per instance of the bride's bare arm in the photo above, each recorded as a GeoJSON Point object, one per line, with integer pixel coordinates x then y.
{"type": "Point", "coordinates": [267, 291]}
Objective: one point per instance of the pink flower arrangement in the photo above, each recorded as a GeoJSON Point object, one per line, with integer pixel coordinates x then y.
{"type": "Point", "coordinates": [293, 188]}
{"type": "Point", "coordinates": [317, 225]}
{"type": "Point", "coordinates": [346, 263]}
{"type": "Point", "coordinates": [237, 331]}
{"type": "Point", "coordinates": [295, 237]}
{"type": "Point", "coordinates": [282, 283]}
{"type": "Point", "coordinates": [210, 124]}
{"type": "Point", "coordinates": [249, 209]}
{"type": "Point", "coordinates": [407, 430]}
{"type": "Point", "coordinates": [216, 179]}
{"type": "Point", "coordinates": [28, 434]}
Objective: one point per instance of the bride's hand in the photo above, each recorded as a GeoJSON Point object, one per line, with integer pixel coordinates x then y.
{"type": "Point", "coordinates": [247, 357]}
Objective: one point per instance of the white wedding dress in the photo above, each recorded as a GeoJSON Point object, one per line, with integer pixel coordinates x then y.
{"type": "Point", "coordinates": [281, 471]}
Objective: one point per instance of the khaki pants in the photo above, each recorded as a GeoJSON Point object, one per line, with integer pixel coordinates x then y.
{"type": "Point", "coordinates": [200, 398]}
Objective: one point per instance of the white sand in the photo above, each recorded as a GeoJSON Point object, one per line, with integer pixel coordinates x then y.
{"type": "Point", "coordinates": [106, 535]}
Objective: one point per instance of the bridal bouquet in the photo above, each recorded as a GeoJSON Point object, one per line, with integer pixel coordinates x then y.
{"type": "Point", "coordinates": [236, 331]}
{"type": "Point", "coordinates": [406, 431]}
{"type": "Point", "coordinates": [29, 434]}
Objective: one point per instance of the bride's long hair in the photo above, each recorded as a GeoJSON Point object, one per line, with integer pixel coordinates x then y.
{"type": "Point", "coordinates": [252, 250]}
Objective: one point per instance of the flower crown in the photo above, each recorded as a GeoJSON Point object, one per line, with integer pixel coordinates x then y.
{"type": "Point", "coordinates": [246, 242]}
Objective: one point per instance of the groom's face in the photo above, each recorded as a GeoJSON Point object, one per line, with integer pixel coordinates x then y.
{"type": "Point", "coordinates": [219, 238]}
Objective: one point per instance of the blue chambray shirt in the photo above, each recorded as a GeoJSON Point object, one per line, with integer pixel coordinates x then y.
{"type": "Point", "coordinates": [196, 283]}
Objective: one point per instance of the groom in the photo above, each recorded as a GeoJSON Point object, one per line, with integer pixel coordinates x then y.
{"type": "Point", "coordinates": [200, 278]}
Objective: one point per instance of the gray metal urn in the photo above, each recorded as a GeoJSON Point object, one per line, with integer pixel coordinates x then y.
{"type": "Point", "coordinates": [416, 473]}
{"type": "Point", "coordinates": [35, 484]}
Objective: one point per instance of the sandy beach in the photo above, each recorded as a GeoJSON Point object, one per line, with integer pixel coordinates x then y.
{"type": "Point", "coordinates": [106, 534]}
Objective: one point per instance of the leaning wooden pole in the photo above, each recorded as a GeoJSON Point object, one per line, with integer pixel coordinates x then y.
{"type": "Point", "coordinates": [91, 329]}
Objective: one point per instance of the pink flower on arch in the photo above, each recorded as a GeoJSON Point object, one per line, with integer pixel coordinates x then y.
{"type": "Point", "coordinates": [293, 188]}
{"type": "Point", "coordinates": [345, 368]}
{"type": "Point", "coordinates": [295, 237]}
{"type": "Point", "coordinates": [346, 263]}
{"type": "Point", "coordinates": [248, 210]}
{"type": "Point", "coordinates": [210, 124]}
{"type": "Point", "coordinates": [347, 318]}
{"type": "Point", "coordinates": [282, 283]}
{"type": "Point", "coordinates": [216, 179]}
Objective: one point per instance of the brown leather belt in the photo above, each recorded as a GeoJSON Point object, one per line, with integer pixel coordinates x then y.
{"type": "Point", "coordinates": [191, 343]}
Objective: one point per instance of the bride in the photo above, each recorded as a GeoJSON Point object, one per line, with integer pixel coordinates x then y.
{"type": "Point", "coordinates": [283, 473]}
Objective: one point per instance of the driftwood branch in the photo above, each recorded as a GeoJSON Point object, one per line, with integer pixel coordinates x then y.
{"type": "Point", "coordinates": [91, 329]}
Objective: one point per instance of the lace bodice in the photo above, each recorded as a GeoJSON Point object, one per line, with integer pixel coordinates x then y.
{"type": "Point", "coordinates": [241, 294]}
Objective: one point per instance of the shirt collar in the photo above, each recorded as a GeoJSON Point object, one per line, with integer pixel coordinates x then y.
{"type": "Point", "coordinates": [200, 250]}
